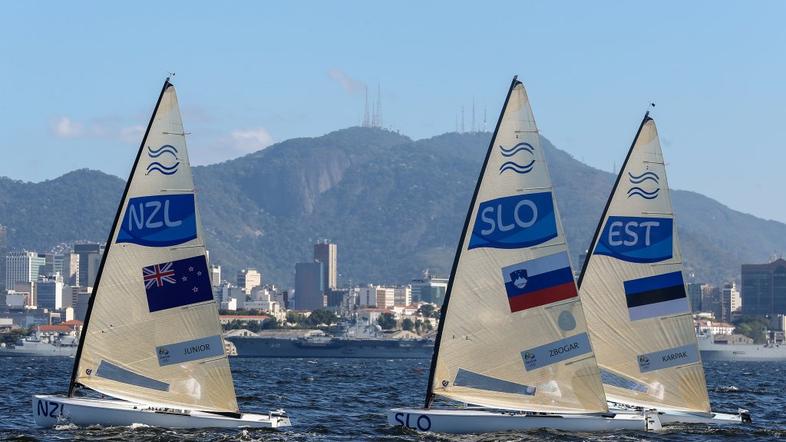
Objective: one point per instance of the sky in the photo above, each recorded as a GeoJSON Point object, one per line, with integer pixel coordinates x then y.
{"type": "Point", "coordinates": [78, 80]}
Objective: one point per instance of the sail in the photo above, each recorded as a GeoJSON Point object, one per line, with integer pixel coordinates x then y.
{"type": "Point", "coordinates": [634, 293]}
{"type": "Point", "coordinates": [152, 334]}
{"type": "Point", "coordinates": [513, 333]}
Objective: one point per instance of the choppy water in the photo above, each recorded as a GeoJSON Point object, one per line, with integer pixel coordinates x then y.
{"type": "Point", "coordinates": [345, 399]}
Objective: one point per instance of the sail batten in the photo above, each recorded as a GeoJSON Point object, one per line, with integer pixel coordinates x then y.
{"type": "Point", "coordinates": [633, 289]}
{"type": "Point", "coordinates": [152, 333]}
{"type": "Point", "coordinates": [513, 334]}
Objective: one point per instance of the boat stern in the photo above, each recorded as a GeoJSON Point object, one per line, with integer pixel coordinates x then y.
{"type": "Point", "coordinates": [48, 410]}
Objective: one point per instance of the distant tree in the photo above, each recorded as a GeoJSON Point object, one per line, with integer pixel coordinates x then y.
{"type": "Point", "coordinates": [418, 325]}
{"type": "Point", "coordinates": [270, 323]}
{"type": "Point", "coordinates": [427, 310]}
{"type": "Point", "coordinates": [754, 327]}
{"type": "Point", "coordinates": [322, 316]}
{"type": "Point", "coordinates": [387, 321]}
{"type": "Point", "coordinates": [407, 324]}
{"type": "Point", "coordinates": [428, 325]}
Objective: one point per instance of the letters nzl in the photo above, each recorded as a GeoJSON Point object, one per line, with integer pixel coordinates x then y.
{"type": "Point", "coordinates": [514, 221]}
{"type": "Point", "coordinates": [159, 220]}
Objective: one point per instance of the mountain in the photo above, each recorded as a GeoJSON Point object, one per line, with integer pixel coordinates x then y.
{"type": "Point", "coordinates": [394, 206]}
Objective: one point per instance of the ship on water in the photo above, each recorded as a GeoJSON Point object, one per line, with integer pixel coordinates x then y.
{"type": "Point", "coordinates": [318, 344]}
{"type": "Point", "coordinates": [32, 346]}
{"type": "Point", "coordinates": [725, 348]}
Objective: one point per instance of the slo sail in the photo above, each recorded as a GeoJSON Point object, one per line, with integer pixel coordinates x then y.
{"type": "Point", "coordinates": [513, 334]}
{"type": "Point", "coordinates": [634, 296]}
{"type": "Point", "coordinates": [152, 338]}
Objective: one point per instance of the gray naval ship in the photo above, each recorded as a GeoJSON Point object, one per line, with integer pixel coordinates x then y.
{"type": "Point", "coordinates": [725, 348]}
{"type": "Point", "coordinates": [317, 344]}
{"type": "Point", "coordinates": [35, 346]}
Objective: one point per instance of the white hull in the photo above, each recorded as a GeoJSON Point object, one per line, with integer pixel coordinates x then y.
{"type": "Point", "coordinates": [458, 421]}
{"type": "Point", "coordinates": [672, 417]}
{"type": "Point", "coordinates": [49, 410]}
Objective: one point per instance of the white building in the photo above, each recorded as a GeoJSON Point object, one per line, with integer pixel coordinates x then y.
{"type": "Point", "coordinates": [215, 275]}
{"type": "Point", "coordinates": [377, 296]}
{"type": "Point", "coordinates": [22, 267]}
{"type": "Point", "coordinates": [248, 279]}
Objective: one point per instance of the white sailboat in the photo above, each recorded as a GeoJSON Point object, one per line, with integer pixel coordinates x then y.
{"type": "Point", "coordinates": [152, 340]}
{"type": "Point", "coordinates": [513, 341]}
{"type": "Point", "coordinates": [634, 297]}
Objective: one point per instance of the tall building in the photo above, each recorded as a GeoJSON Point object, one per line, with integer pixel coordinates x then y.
{"type": "Point", "coordinates": [731, 299]}
{"type": "Point", "coordinates": [711, 300]}
{"type": "Point", "coordinates": [694, 295]}
{"type": "Point", "coordinates": [22, 267]}
{"type": "Point", "coordinates": [71, 271]}
{"type": "Point", "coordinates": [3, 252]}
{"type": "Point", "coordinates": [52, 294]}
{"type": "Point", "coordinates": [764, 288]}
{"type": "Point", "coordinates": [89, 261]}
{"type": "Point", "coordinates": [248, 279]}
{"type": "Point", "coordinates": [402, 296]}
{"type": "Point", "coordinates": [55, 263]}
{"type": "Point", "coordinates": [327, 254]}
{"type": "Point", "coordinates": [309, 288]}
{"type": "Point", "coordinates": [429, 288]}
{"type": "Point", "coordinates": [215, 275]}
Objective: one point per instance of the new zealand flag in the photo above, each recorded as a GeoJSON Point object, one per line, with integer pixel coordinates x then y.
{"type": "Point", "coordinates": [177, 283]}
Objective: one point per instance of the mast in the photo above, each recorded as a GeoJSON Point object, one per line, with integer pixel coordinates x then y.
{"type": "Point", "coordinates": [611, 196]}
{"type": "Point", "coordinates": [460, 248]}
{"type": "Point", "coordinates": [72, 387]}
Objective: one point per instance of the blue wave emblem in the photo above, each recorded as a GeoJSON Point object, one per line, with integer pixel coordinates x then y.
{"type": "Point", "coordinates": [515, 167]}
{"type": "Point", "coordinates": [637, 181]}
{"type": "Point", "coordinates": [512, 165]}
{"type": "Point", "coordinates": [155, 166]}
{"type": "Point", "coordinates": [648, 175]}
{"type": "Point", "coordinates": [516, 149]}
{"type": "Point", "coordinates": [158, 166]}
{"type": "Point", "coordinates": [165, 149]}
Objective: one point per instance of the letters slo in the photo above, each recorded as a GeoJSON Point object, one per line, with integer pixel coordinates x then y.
{"type": "Point", "coordinates": [514, 222]}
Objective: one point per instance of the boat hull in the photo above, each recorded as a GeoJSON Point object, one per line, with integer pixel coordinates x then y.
{"type": "Point", "coordinates": [50, 410]}
{"type": "Point", "coordinates": [673, 417]}
{"type": "Point", "coordinates": [461, 421]}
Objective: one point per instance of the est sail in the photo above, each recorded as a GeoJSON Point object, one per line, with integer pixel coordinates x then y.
{"type": "Point", "coordinates": [634, 293]}
{"type": "Point", "coordinates": [152, 334]}
{"type": "Point", "coordinates": [513, 333]}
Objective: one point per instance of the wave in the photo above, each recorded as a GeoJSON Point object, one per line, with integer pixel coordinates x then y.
{"type": "Point", "coordinates": [158, 167]}
{"type": "Point", "coordinates": [166, 148]}
{"type": "Point", "coordinates": [516, 149]}
{"type": "Point", "coordinates": [638, 191]}
{"type": "Point", "coordinates": [644, 177]}
{"type": "Point", "coordinates": [515, 167]}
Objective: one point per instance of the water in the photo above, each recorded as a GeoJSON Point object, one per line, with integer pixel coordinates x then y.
{"type": "Point", "coordinates": [345, 400]}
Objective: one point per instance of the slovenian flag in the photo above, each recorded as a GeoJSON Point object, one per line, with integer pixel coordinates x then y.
{"type": "Point", "coordinates": [177, 283]}
{"type": "Point", "coordinates": [654, 296]}
{"type": "Point", "coordinates": [539, 282]}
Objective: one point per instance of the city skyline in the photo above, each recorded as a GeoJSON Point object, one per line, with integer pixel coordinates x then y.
{"type": "Point", "coordinates": [258, 79]}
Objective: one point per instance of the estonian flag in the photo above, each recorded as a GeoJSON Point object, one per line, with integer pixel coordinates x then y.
{"type": "Point", "coordinates": [654, 296]}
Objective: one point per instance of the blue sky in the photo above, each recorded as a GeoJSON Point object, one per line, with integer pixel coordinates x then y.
{"type": "Point", "coordinates": [78, 79]}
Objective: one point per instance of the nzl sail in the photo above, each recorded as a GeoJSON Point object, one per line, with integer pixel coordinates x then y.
{"type": "Point", "coordinates": [513, 333]}
{"type": "Point", "coordinates": [634, 292]}
{"type": "Point", "coordinates": [152, 333]}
